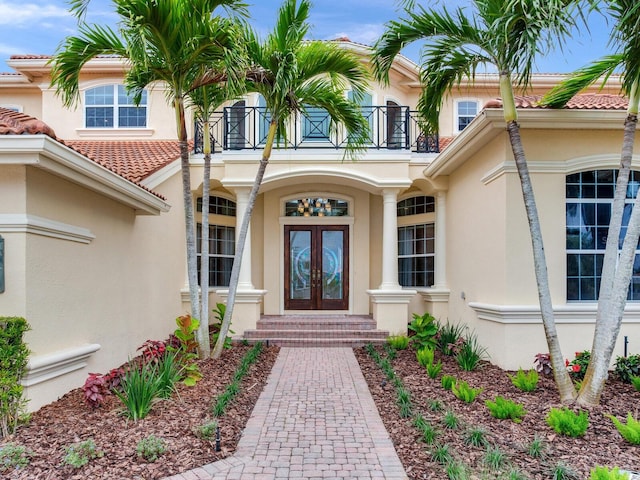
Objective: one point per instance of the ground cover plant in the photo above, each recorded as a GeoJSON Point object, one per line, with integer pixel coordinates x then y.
{"type": "Point", "coordinates": [526, 450]}
{"type": "Point", "coordinates": [183, 421]}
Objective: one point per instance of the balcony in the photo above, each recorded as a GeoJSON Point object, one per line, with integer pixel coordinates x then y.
{"type": "Point", "coordinates": [246, 128]}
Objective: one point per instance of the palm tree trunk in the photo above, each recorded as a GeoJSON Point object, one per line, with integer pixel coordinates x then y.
{"type": "Point", "coordinates": [192, 266]}
{"type": "Point", "coordinates": [616, 272]}
{"type": "Point", "coordinates": [204, 344]}
{"type": "Point", "coordinates": [242, 237]}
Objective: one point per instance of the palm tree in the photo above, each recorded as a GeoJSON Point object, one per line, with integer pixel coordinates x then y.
{"type": "Point", "coordinates": [507, 35]}
{"type": "Point", "coordinates": [293, 74]}
{"type": "Point", "coordinates": [168, 41]}
{"type": "Point", "coordinates": [616, 272]}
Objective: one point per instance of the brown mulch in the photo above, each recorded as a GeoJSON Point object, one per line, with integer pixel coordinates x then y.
{"type": "Point", "coordinates": [70, 420]}
{"type": "Point", "coordinates": [601, 445]}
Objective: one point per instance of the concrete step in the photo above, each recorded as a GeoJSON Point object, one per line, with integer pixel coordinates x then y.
{"type": "Point", "coordinates": [320, 334]}
{"type": "Point", "coordinates": [323, 322]}
{"type": "Point", "coordinates": [318, 342]}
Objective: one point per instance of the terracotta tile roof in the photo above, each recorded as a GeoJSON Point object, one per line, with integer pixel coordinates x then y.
{"type": "Point", "coordinates": [131, 159]}
{"type": "Point", "coordinates": [29, 57]}
{"type": "Point", "coordinates": [444, 142]}
{"type": "Point", "coordinates": [15, 123]}
{"type": "Point", "coordinates": [584, 101]}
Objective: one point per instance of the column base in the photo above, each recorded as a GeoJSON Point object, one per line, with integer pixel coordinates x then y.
{"type": "Point", "coordinates": [246, 311]}
{"type": "Point", "coordinates": [391, 309]}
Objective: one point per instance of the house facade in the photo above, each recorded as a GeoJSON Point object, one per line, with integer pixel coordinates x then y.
{"type": "Point", "coordinates": [92, 221]}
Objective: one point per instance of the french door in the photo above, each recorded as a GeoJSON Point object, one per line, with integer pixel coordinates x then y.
{"type": "Point", "coordinates": [316, 267]}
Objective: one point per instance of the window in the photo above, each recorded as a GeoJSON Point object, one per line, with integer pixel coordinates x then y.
{"type": "Point", "coordinates": [222, 247]}
{"type": "Point", "coordinates": [466, 111]}
{"type": "Point", "coordinates": [416, 255]}
{"type": "Point", "coordinates": [416, 206]}
{"type": "Point", "coordinates": [316, 207]}
{"type": "Point", "coordinates": [588, 212]}
{"type": "Point", "coordinates": [109, 106]}
{"type": "Point", "coordinates": [218, 206]}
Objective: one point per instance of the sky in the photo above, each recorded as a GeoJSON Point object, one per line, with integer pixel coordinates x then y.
{"type": "Point", "coordinates": [39, 26]}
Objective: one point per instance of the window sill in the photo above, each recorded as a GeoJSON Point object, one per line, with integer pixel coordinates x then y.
{"type": "Point", "coordinates": [115, 132]}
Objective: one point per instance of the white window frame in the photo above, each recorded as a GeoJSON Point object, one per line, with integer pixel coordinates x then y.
{"type": "Point", "coordinates": [115, 106]}
{"type": "Point", "coordinates": [456, 112]}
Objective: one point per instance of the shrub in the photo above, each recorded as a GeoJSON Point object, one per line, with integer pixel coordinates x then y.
{"type": "Point", "coordinates": [448, 338]}
{"type": "Point", "coordinates": [631, 431]}
{"type": "Point", "coordinates": [470, 353]}
{"type": "Point", "coordinates": [425, 329]}
{"type": "Point", "coordinates": [578, 366]}
{"type": "Point", "coordinates": [450, 420]}
{"type": "Point", "coordinates": [13, 456]}
{"type": "Point", "coordinates": [79, 454]}
{"type": "Point", "coordinates": [14, 355]}
{"type": "Point", "coordinates": [567, 422]}
{"type": "Point", "coordinates": [169, 374]}
{"type": "Point", "coordinates": [464, 392]}
{"type": "Point", "coordinates": [476, 437]}
{"type": "Point", "coordinates": [404, 402]}
{"type": "Point", "coordinates": [542, 363]}
{"type": "Point", "coordinates": [603, 473]}
{"type": "Point", "coordinates": [434, 369]}
{"type": "Point", "coordinates": [207, 431]}
{"type": "Point", "coordinates": [219, 312]}
{"type": "Point", "coordinates": [527, 382]}
{"type": "Point", "coordinates": [140, 390]}
{"type": "Point", "coordinates": [502, 408]}
{"type": "Point", "coordinates": [429, 433]}
{"type": "Point", "coordinates": [562, 471]}
{"type": "Point", "coordinates": [441, 454]}
{"type": "Point", "coordinates": [635, 381]}
{"type": "Point", "coordinates": [151, 448]}
{"type": "Point", "coordinates": [456, 470]}
{"type": "Point", "coordinates": [425, 356]}
{"type": "Point", "coordinates": [627, 367]}
{"type": "Point", "coordinates": [398, 342]}
{"type": "Point", "coordinates": [447, 381]}
{"type": "Point", "coordinates": [152, 350]}
{"type": "Point", "coordinates": [94, 390]}
{"type": "Point", "coordinates": [185, 337]}
{"type": "Point", "coordinates": [494, 458]}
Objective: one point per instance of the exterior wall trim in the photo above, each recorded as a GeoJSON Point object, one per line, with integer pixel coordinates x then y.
{"type": "Point", "coordinates": [564, 314]}
{"type": "Point", "coordinates": [22, 223]}
{"type": "Point", "coordinates": [47, 367]}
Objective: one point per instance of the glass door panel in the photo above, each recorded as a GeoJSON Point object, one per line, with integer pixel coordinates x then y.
{"type": "Point", "coordinates": [300, 265]}
{"type": "Point", "coordinates": [332, 249]}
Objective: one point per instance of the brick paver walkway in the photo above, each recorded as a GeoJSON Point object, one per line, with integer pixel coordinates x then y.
{"type": "Point", "coordinates": [315, 419]}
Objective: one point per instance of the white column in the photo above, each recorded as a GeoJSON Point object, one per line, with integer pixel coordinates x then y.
{"type": "Point", "coordinates": [242, 201]}
{"type": "Point", "coordinates": [440, 241]}
{"type": "Point", "coordinates": [390, 241]}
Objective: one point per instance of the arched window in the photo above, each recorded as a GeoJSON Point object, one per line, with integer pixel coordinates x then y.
{"type": "Point", "coordinates": [416, 242]}
{"type": "Point", "coordinates": [110, 106]}
{"type": "Point", "coordinates": [588, 213]}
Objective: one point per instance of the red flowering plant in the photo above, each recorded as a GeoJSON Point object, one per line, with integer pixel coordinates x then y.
{"type": "Point", "coordinates": [578, 366]}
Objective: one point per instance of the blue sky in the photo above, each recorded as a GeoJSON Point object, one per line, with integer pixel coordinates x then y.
{"type": "Point", "coordinates": [38, 27]}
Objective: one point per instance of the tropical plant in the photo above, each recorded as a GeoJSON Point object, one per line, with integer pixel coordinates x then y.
{"type": "Point", "coordinates": [14, 356]}
{"type": "Point", "coordinates": [470, 353]}
{"type": "Point", "coordinates": [441, 454]}
{"type": "Point", "coordinates": [151, 448]}
{"type": "Point", "coordinates": [94, 390]}
{"type": "Point", "coordinates": [617, 265]}
{"type": "Point", "coordinates": [629, 431]}
{"type": "Point", "coordinates": [140, 390]}
{"type": "Point", "coordinates": [562, 471]}
{"type": "Point", "coordinates": [447, 382]}
{"type": "Point", "coordinates": [434, 369]}
{"type": "Point", "coordinates": [536, 447]}
{"type": "Point", "coordinates": [219, 312]}
{"type": "Point", "coordinates": [567, 422]}
{"type": "Point", "coordinates": [79, 454]}
{"type": "Point", "coordinates": [450, 420]}
{"type": "Point", "coordinates": [178, 42]}
{"type": "Point", "coordinates": [527, 382]}
{"type": "Point", "coordinates": [13, 456]}
{"type": "Point", "coordinates": [508, 35]}
{"type": "Point", "coordinates": [604, 473]}
{"type": "Point", "coordinates": [464, 392]}
{"type": "Point", "coordinates": [425, 329]}
{"type": "Point", "coordinates": [170, 372]}
{"type": "Point", "coordinates": [494, 458]}
{"type": "Point", "coordinates": [448, 337]}
{"type": "Point", "coordinates": [476, 437]}
{"type": "Point", "coordinates": [627, 367]}
{"type": "Point", "coordinates": [635, 381]}
{"type": "Point", "coordinates": [292, 75]}
{"type": "Point", "coordinates": [578, 366]}
{"type": "Point", "coordinates": [399, 342]}
{"type": "Point", "coordinates": [424, 356]}
{"type": "Point", "coordinates": [503, 408]}
{"type": "Point", "coordinates": [542, 363]}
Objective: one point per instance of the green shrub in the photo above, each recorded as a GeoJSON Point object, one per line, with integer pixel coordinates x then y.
{"type": "Point", "coordinates": [603, 473]}
{"type": "Point", "coordinates": [449, 336]}
{"type": "Point", "coordinates": [151, 448]}
{"type": "Point", "coordinates": [79, 454]}
{"type": "Point", "coordinates": [441, 454]}
{"type": "Point", "coordinates": [13, 456]}
{"type": "Point", "coordinates": [502, 408]}
{"type": "Point", "coordinates": [429, 433]}
{"type": "Point", "coordinates": [14, 355]}
{"type": "Point", "coordinates": [435, 405]}
{"type": "Point", "coordinates": [456, 470]}
{"type": "Point", "coordinates": [527, 382]}
{"type": "Point", "coordinates": [464, 392]}
{"type": "Point", "coordinates": [635, 381]}
{"type": "Point", "coordinates": [434, 369]}
{"type": "Point", "coordinates": [390, 351]}
{"type": "Point", "coordinates": [169, 374]}
{"type": "Point", "coordinates": [425, 329]}
{"type": "Point", "coordinates": [219, 312]}
{"type": "Point", "coordinates": [398, 342]}
{"type": "Point", "coordinates": [447, 381]}
{"type": "Point", "coordinates": [207, 431]}
{"type": "Point", "coordinates": [578, 366]}
{"type": "Point", "coordinates": [567, 422]}
{"type": "Point", "coordinates": [627, 367]}
{"type": "Point", "coordinates": [631, 431]}
{"type": "Point", "coordinates": [536, 447]}
{"type": "Point", "coordinates": [470, 353]}
{"type": "Point", "coordinates": [425, 356]}
{"type": "Point", "coordinates": [140, 390]}
{"type": "Point", "coordinates": [403, 400]}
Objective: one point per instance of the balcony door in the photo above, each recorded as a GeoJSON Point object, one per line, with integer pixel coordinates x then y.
{"type": "Point", "coordinates": [316, 267]}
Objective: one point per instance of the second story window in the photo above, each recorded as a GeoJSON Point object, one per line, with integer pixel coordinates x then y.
{"type": "Point", "coordinates": [465, 112]}
{"type": "Point", "coordinates": [109, 106]}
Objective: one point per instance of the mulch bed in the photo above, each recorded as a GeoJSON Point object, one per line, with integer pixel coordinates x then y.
{"type": "Point", "coordinates": [601, 445]}
{"type": "Point", "coordinates": [69, 420]}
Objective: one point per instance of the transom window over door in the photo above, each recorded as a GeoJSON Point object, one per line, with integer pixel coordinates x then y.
{"type": "Point", "coordinates": [109, 106]}
{"type": "Point", "coordinates": [588, 213]}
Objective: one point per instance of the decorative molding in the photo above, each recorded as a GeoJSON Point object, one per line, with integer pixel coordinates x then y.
{"type": "Point", "coordinates": [391, 296]}
{"type": "Point", "coordinates": [243, 296]}
{"type": "Point", "coordinates": [23, 223]}
{"type": "Point", "coordinates": [435, 295]}
{"type": "Point", "coordinates": [47, 367]}
{"type": "Point", "coordinates": [530, 314]}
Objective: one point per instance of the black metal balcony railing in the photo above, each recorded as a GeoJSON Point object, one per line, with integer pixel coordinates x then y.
{"type": "Point", "coordinates": [242, 128]}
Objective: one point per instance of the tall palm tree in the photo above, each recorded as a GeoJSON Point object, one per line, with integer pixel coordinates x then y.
{"type": "Point", "coordinates": [506, 35]}
{"type": "Point", "coordinates": [293, 74]}
{"type": "Point", "coordinates": [616, 271]}
{"type": "Point", "coordinates": [168, 41]}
